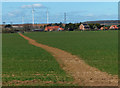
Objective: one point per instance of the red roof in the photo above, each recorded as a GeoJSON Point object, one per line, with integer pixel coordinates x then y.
{"type": "Point", "coordinates": [53, 28]}
{"type": "Point", "coordinates": [113, 27]}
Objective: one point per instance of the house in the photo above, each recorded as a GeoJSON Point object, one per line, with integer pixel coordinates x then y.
{"type": "Point", "coordinates": [113, 27]}
{"type": "Point", "coordinates": [53, 28]}
{"type": "Point", "coordinates": [84, 27]}
{"type": "Point", "coordinates": [104, 28]}
{"type": "Point", "coordinates": [101, 28]}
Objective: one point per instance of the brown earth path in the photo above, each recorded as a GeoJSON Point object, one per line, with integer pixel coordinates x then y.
{"type": "Point", "coordinates": [83, 74]}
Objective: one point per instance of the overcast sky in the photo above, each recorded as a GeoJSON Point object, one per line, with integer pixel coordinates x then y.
{"type": "Point", "coordinates": [75, 11]}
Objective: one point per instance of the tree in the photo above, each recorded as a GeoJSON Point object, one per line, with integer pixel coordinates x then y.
{"type": "Point", "coordinates": [118, 27]}
{"type": "Point", "coordinates": [60, 24]}
{"type": "Point", "coordinates": [49, 25]}
{"type": "Point", "coordinates": [98, 25]}
{"type": "Point", "coordinates": [8, 26]}
{"type": "Point", "coordinates": [95, 26]}
{"type": "Point", "coordinates": [70, 27]}
{"type": "Point", "coordinates": [91, 26]}
{"type": "Point", "coordinates": [27, 27]}
{"type": "Point", "coordinates": [42, 27]}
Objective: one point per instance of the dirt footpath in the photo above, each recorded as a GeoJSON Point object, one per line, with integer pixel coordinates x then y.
{"type": "Point", "coordinates": [83, 74]}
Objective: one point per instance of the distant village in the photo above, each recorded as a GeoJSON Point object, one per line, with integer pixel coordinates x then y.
{"type": "Point", "coordinates": [82, 26]}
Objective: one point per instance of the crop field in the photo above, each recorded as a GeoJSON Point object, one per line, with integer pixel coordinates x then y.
{"type": "Point", "coordinates": [25, 64]}
{"type": "Point", "coordinates": [98, 49]}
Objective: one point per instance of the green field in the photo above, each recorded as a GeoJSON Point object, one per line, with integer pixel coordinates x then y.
{"type": "Point", "coordinates": [25, 62]}
{"type": "Point", "coordinates": [98, 49]}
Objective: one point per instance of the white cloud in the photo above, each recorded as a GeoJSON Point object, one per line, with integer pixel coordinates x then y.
{"type": "Point", "coordinates": [90, 15]}
{"type": "Point", "coordinates": [15, 13]}
{"type": "Point", "coordinates": [11, 14]}
{"type": "Point", "coordinates": [33, 5]}
{"type": "Point", "coordinates": [37, 5]}
{"type": "Point", "coordinates": [26, 6]}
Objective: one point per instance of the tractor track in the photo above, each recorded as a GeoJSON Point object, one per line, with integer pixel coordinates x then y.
{"type": "Point", "coordinates": [83, 74]}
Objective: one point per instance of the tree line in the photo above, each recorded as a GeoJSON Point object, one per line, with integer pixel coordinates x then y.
{"type": "Point", "coordinates": [67, 27]}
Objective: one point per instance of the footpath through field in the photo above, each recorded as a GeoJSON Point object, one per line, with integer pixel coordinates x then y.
{"type": "Point", "coordinates": [83, 74]}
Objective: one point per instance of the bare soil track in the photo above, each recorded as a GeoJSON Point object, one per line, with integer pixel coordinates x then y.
{"type": "Point", "coordinates": [83, 74]}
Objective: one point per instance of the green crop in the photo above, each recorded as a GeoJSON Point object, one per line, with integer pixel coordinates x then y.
{"type": "Point", "coordinates": [22, 61]}
{"type": "Point", "coordinates": [99, 49]}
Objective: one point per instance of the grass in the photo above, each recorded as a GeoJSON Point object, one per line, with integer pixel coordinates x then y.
{"type": "Point", "coordinates": [22, 61]}
{"type": "Point", "coordinates": [98, 49]}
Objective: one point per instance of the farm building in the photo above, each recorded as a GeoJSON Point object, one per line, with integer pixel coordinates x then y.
{"type": "Point", "coordinates": [113, 27]}
{"type": "Point", "coordinates": [101, 28]}
{"type": "Point", "coordinates": [54, 28]}
{"type": "Point", "coordinates": [38, 30]}
{"type": "Point", "coordinates": [104, 28]}
{"type": "Point", "coordinates": [84, 27]}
